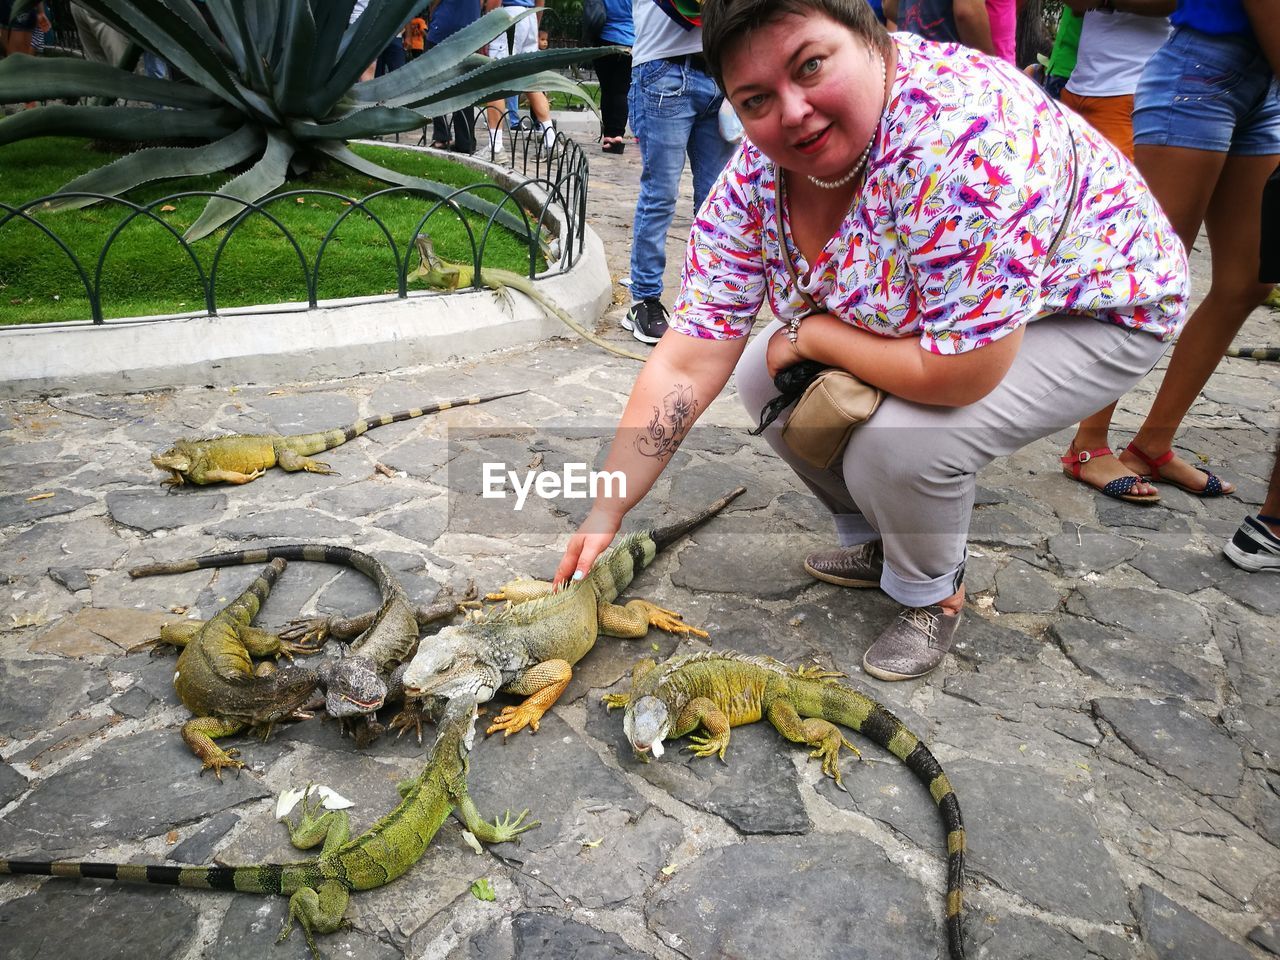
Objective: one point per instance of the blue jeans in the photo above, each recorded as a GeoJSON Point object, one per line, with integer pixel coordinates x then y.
{"type": "Point", "coordinates": [1208, 92]}
{"type": "Point", "coordinates": [674, 111]}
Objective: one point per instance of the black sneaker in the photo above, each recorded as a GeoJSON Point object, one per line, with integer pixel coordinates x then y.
{"type": "Point", "coordinates": [1254, 547]}
{"type": "Point", "coordinates": [647, 320]}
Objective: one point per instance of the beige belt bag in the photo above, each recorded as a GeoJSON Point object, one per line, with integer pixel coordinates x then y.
{"type": "Point", "coordinates": [820, 423]}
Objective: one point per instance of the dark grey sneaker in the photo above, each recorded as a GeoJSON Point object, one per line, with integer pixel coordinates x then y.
{"type": "Point", "coordinates": [912, 645]}
{"type": "Point", "coordinates": [647, 320]}
{"type": "Point", "coordinates": [858, 566]}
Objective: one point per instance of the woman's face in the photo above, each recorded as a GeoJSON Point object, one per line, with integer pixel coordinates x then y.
{"type": "Point", "coordinates": [809, 93]}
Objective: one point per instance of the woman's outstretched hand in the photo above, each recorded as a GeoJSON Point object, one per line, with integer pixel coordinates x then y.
{"type": "Point", "coordinates": [591, 540]}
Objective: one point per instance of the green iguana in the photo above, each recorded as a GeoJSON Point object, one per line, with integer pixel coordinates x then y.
{"type": "Point", "coordinates": [242, 457]}
{"type": "Point", "coordinates": [319, 888]}
{"type": "Point", "coordinates": [529, 648]}
{"type": "Point", "coordinates": [355, 685]}
{"type": "Point", "coordinates": [720, 689]}
{"type": "Point", "coordinates": [440, 274]}
{"type": "Point", "coordinates": [216, 680]}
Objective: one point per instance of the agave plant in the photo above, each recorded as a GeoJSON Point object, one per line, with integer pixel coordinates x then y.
{"type": "Point", "coordinates": [273, 84]}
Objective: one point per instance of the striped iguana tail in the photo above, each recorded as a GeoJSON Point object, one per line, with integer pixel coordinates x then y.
{"type": "Point", "coordinates": [369, 565]}
{"type": "Point", "coordinates": [306, 444]}
{"type": "Point", "coordinates": [282, 878]}
{"type": "Point", "coordinates": [844, 705]}
{"type": "Point", "coordinates": [1255, 353]}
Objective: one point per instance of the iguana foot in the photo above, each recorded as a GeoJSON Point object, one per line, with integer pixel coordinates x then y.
{"type": "Point", "coordinates": [409, 718]}
{"type": "Point", "coordinates": [305, 635]}
{"type": "Point", "coordinates": [829, 752]}
{"type": "Point", "coordinates": [701, 746]}
{"type": "Point", "coordinates": [672, 622]}
{"type": "Point", "coordinates": [611, 700]}
{"type": "Point", "coordinates": [514, 719]}
{"type": "Point", "coordinates": [222, 758]}
{"type": "Point", "coordinates": [506, 829]}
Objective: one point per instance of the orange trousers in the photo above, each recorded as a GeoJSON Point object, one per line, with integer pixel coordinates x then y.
{"type": "Point", "coordinates": [1110, 116]}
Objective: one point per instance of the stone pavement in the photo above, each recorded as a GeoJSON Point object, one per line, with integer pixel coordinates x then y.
{"type": "Point", "coordinates": [1109, 722]}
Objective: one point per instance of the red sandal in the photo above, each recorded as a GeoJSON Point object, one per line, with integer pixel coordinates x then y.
{"type": "Point", "coordinates": [1212, 487]}
{"type": "Point", "coordinates": [1121, 488]}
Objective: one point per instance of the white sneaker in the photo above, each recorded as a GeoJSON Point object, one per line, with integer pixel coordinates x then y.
{"type": "Point", "coordinates": [1254, 547]}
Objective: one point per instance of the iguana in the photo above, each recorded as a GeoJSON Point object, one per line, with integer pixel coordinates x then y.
{"type": "Point", "coordinates": [440, 274]}
{"type": "Point", "coordinates": [1255, 353]}
{"type": "Point", "coordinates": [216, 680]}
{"type": "Point", "coordinates": [355, 685]}
{"type": "Point", "coordinates": [529, 648]}
{"type": "Point", "coordinates": [242, 457]}
{"type": "Point", "coordinates": [319, 888]}
{"type": "Point", "coordinates": [720, 689]}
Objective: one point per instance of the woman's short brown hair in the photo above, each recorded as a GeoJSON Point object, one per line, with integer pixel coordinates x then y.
{"type": "Point", "coordinates": [725, 22]}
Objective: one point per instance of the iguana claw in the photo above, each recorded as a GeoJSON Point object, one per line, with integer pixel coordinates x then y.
{"type": "Point", "coordinates": [701, 746]}
{"type": "Point", "coordinates": [829, 752]}
{"type": "Point", "coordinates": [611, 700]}
{"type": "Point", "coordinates": [513, 719]}
{"type": "Point", "coordinates": [305, 635]}
{"type": "Point", "coordinates": [672, 622]}
{"type": "Point", "coordinates": [507, 829]}
{"type": "Point", "coordinates": [222, 758]}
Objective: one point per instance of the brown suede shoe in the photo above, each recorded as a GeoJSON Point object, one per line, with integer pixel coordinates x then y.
{"type": "Point", "coordinates": [912, 645]}
{"type": "Point", "coordinates": [858, 566]}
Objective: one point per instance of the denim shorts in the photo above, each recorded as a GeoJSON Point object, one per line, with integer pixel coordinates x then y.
{"type": "Point", "coordinates": [1208, 92]}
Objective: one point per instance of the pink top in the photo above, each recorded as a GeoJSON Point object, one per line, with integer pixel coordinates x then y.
{"type": "Point", "coordinates": [1003, 15]}
{"type": "Point", "coordinates": [968, 181]}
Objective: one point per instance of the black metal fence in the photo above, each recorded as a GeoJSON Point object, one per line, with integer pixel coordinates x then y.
{"type": "Point", "coordinates": [546, 209]}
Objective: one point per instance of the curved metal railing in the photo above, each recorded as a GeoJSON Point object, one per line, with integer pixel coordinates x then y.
{"type": "Point", "coordinates": [546, 209]}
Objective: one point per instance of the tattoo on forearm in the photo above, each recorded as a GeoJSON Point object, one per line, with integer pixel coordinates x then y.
{"type": "Point", "coordinates": [669, 425]}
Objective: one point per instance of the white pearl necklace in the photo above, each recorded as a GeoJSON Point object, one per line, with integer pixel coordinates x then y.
{"type": "Point", "coordinates": [862, 160]}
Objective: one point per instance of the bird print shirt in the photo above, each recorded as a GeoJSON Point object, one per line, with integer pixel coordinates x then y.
{"type": "Point", "coordinates": [952, 237]}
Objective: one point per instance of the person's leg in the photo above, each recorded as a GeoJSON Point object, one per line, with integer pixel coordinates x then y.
{"type": "Point", "coordinates": [911, 469]}
{"type": "Point", "coordinates": [708, 150]}
{"type": "Point", "coordinates": [1234, 225]}
{"type": "Point", "coordinates": [1255, 546]}
{"type": "Point", "coordinates": [614, 72]}
{"type": "Point", "coordinates": [1182, 181]}
{"type": "Point", "coordinates": [661, 108]}
{"type": "Point", "coordinates": [464, 130]}
{"type": "Point", "coordinates": [495, 110]}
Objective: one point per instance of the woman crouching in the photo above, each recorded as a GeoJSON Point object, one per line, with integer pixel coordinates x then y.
{"type": "Point", "coordinates": [927, 219]}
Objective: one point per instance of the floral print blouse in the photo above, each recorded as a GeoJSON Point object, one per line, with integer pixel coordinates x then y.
{"type": "Point", "coordinates": [951, 238]}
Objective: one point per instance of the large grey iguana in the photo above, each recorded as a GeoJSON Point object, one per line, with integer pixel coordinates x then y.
{"type": "Point", "coordinates": [319, 888]}
{"type": "Point", "coordinates": [356, 685]}
{"type": "Point", "coordinates": [720, 689]}
{"type": "Point", "coordinates": [242, 457]}
{"type": "Point", "coordinates": [529, 648]}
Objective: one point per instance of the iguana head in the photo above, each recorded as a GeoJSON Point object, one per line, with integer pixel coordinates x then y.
{"type": "Point", "coordinates": [177, 460]}
{"type": "Point", "coordinates": [647, 723]}
{"type": "Point", "coordinates": [450, 666]}
{"type": "Point", "coordinates": [352, 687]}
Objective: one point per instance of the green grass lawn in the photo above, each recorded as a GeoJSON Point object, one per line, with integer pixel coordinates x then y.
{"type": "Point", "coordinates": [147, 271]}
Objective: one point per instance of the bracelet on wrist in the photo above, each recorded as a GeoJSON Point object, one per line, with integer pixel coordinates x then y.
{"type": "Point", "coordinates": [793, 329]}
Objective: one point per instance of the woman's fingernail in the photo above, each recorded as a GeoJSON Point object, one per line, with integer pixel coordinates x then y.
{"type": "Point", "coordinates": [578, 575]}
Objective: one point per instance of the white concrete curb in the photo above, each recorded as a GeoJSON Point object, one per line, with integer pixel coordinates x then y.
{"type": "Point", "coordinates": [340, 338]}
